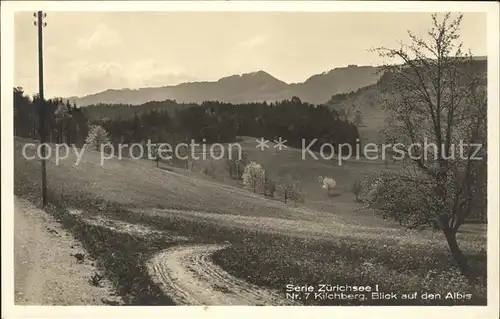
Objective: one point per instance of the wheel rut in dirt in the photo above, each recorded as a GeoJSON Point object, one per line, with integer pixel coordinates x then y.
{"type": "Point", "coordinates": [187, 274]}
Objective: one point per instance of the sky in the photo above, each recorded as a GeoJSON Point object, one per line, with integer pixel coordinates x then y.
{"type": "Point", "coordinates": [90, 52]}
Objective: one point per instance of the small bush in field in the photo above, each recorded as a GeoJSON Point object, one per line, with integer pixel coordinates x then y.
{"type": "Point", "coordinates": [327, 183]}
{"type": "Point", "coordinates": [211, 171]}
{"type": "Point", "coordinates": [96, 279]}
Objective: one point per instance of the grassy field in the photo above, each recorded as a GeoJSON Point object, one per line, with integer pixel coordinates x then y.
{"type": "Point", "coordinates": [325, 240]}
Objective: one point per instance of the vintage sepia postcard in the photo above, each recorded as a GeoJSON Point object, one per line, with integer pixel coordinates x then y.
{"type": "Point", "coordinates": [210, 157]}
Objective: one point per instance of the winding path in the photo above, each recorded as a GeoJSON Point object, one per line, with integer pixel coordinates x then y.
{"type": "Point", "coordinates": [187, 274]}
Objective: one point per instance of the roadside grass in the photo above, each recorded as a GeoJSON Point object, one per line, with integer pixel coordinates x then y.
{"type": "Point", "coordinates": [278, 262]}
{"type": "Point", "coordinates": [271, 260]}
{"type": "Point", "coordinates": [120, 257]}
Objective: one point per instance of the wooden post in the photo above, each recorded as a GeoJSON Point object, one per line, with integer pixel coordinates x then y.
{"type": "Point", "coordinates": [40, 24]}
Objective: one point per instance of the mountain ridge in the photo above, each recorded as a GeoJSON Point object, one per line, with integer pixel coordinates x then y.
{"type": "Point", "coordinates": [257, 86]}
{"type": "Point", "coordinates": [243, 88]}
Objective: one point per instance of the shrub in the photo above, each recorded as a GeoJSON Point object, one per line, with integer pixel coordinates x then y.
{"type": "Point", "coordinates": [328, 184]}
{"type": "Point", "coordinates": [96, 279]}
{"type": "Point", "coordinates": [211, 170]}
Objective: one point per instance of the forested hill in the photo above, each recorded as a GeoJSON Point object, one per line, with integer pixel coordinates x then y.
{"type": "Point", "coordinates": [364, 107]}
{"type": "Point", "coordinates": [292, 120]}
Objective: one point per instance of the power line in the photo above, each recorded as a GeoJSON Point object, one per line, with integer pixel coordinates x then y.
{"type": "Point", "coordinates": [41, 108]}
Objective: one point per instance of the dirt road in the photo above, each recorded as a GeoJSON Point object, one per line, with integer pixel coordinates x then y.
{"type": "Point", "coordinates": [189, 277]}
{"type": "Point", "coordinates": [45, 269]}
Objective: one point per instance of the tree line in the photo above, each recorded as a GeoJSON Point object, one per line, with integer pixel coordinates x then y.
{"type": "Point", "coordinates": [64, 123]}
{"type": "Point", "coordinates": [172, 122]}
{"type": "Point", "coordinates": [214, 121]}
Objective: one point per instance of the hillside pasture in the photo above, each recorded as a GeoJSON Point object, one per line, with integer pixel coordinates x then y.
{"type": "Point", "coordinates": [289, 161]}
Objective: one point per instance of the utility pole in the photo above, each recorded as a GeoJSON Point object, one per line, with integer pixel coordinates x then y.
{"type": "Point", "coordinates": [41, 108]}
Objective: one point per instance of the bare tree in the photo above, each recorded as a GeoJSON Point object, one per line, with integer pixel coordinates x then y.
{"type": "Point", "coordinates": [437, 96]}
{"type": "Point", "coordinates": [269, 185]}
{"type": "Point", "coordinates": [156, 155]}
{"type": "Point", "coordinates": [289, 188]}
{"type": "Point", "coordinates": [236, 166]}
{"type": "Point", "coordinates": [357, 188]}
{"type": "Point", "coordinates": [61, 116]}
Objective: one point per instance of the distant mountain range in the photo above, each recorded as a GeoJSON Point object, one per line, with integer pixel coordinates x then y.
{"type": "Point", "coordinates": [250, 87]}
